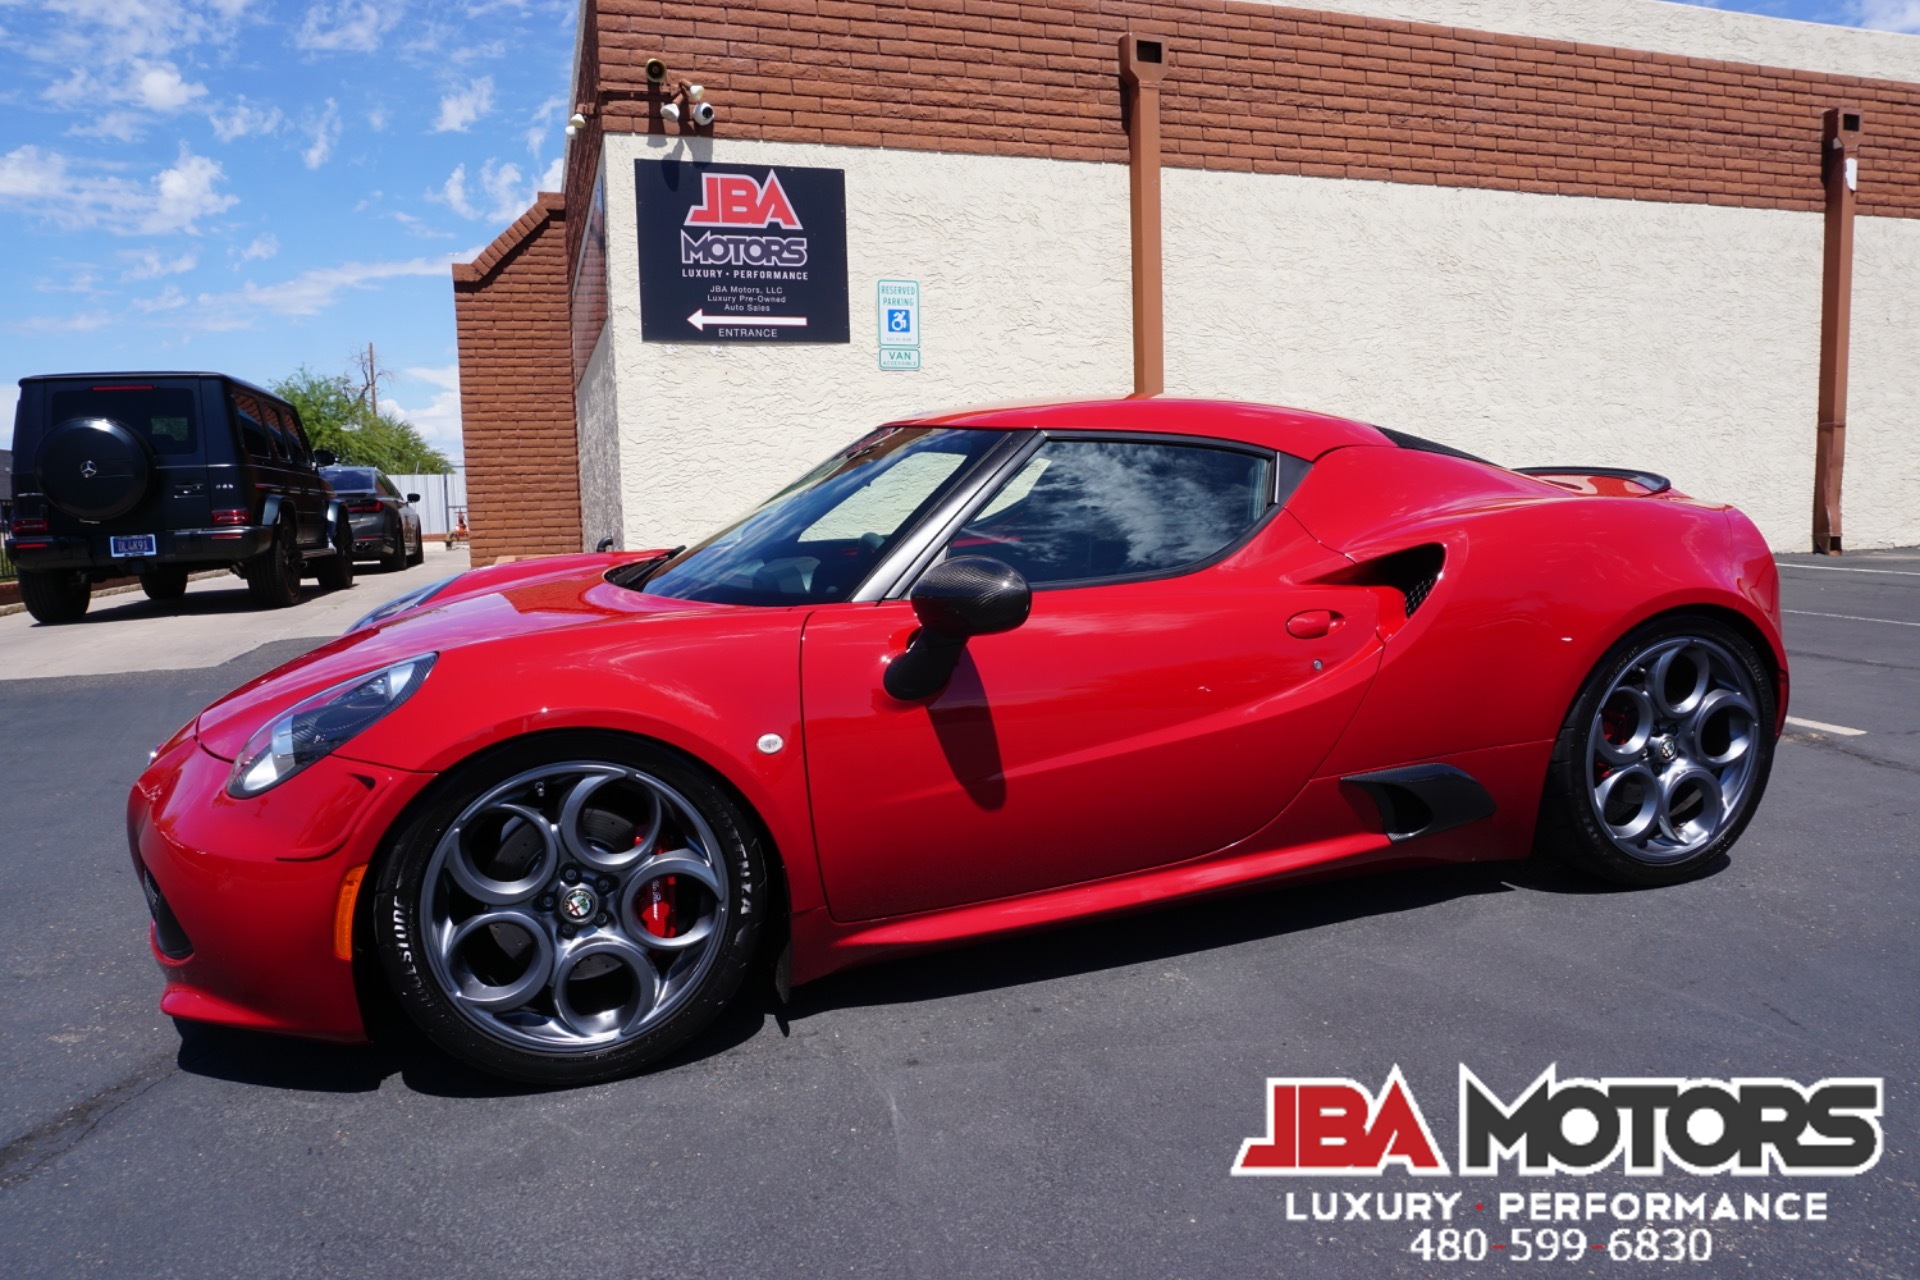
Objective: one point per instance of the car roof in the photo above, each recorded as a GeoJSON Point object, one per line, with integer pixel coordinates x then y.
{"type": "Point", "coordinates": [152, 373]}
{"type": "Point", "coordinates": [1295, 431]}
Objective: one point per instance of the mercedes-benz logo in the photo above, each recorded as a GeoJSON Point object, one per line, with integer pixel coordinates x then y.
{"type": "Point", "coordinates": [88, 470]}
{"type": "Point", "coordinates": [577, 904]}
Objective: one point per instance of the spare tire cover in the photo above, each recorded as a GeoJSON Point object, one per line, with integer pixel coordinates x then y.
{"type": "Point", "coordinates": [94, 468]}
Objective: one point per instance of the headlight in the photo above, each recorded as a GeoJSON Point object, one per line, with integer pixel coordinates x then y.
{"type": "Point", "coordinates": [318, 726]}
{"type": "Point", "coordinates": [399, 604]}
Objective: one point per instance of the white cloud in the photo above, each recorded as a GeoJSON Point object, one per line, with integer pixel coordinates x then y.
{"type": "Point", "coordinates": [1888, 15]}
{"type": "Point", "coordinates": [121, 126]}
{"type": "Point", "coordinates": [80, 322]}
{"type": "Point", "coordinates": [459, 109]}
{"type": "Point", "coordinates": [159, 87]}
{"type": "Point", "coordinates": [503, 196]}
{"type": "Point", "coordinates": [168, 299]}
{"type": "Point", "coordinates": [419, 226]}
{"type": "Point", "coordinates": [151, 264]}
{"type": "Point", "coordinates": [354, 26]}
{"type": "Point", "coordinates": [261, 248]}
{"type": "Point", "coordinates": [185, 194]}
{"type": "Point", "coordinates": [542, 123]}
{"type": "Point", "coordinates": [377, 119]}
{"type": "Point", "coordinates": [242, 119]}
{"type": "Point", "coordinates": [552, 179]}
{"type": "Point", "coordinates": [306, 294]}
{"type": "Point", "coordinates": [47, 185]}
{"type": "Point", "coordinates": [439, 419]}
{"type": "Point", "coordinates": [325, 132]}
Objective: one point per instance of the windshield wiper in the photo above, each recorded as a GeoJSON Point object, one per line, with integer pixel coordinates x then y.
{"type": "Point", "coordinates": [634, 576]}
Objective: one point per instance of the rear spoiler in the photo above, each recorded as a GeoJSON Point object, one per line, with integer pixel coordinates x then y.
{"type": "Point", "coordinates": [1611, 482]}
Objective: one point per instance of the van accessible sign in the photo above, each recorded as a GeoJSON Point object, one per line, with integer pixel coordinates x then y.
{"type": "Point", "coordinates": [741, 253]}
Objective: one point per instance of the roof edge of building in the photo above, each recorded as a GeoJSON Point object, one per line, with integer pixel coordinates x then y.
{"type": "Point", "coordinates": [547, 206]}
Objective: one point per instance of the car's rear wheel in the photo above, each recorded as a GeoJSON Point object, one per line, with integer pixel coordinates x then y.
{"type": "Point", "coordinates": [273, 576]}
{"type": "Point", "coordinates": [1664, 756]}
{"type": "Point", "coordinates": [166, 582]}
{"type": "Point", "coordinates": [395, 560]}
{"type": "Point", "coordinates": [55, 595]}
{"type": "Point", "coordinates": [571, 908]}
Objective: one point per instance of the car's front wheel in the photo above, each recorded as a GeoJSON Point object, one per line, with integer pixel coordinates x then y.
{"type": "Point", "coordinates": [1664, 756]}
{"type": "Point", "coordinates": [394, 560]}
{"type": "Point", "coordinates": [570, 908]}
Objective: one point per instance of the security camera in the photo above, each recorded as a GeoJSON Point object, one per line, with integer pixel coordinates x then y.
{"type": "Point", "coordinates": [670, 113]}
{"type": "Point", "coordinates": [576, 121]}
{"type": "Point", "coordinates": [656, 70]}
{"type": "Point", "coordinates": [703, 113]}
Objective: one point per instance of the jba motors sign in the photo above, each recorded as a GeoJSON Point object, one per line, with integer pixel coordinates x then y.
{"type": "Point", "coordinates": [1757, 1127]}
{"type": "Point", "coordinates": [741, 253]}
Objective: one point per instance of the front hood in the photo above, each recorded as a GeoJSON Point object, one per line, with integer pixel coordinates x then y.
{"type": "Point", "coordinates": [478, 608]}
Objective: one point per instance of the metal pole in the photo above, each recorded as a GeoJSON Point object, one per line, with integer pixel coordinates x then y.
{"type": "Point", "coordinates": [1840, 166]}
{"type": "Point", "coordinates": [1143, 64]}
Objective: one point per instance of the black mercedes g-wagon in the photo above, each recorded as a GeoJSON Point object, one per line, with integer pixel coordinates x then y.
{"type": "Point", "coordinates": [159, 474]}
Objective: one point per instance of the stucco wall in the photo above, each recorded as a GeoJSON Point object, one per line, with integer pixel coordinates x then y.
{"type": "Point", "coordinates": [1532, 329]}
{"type": "Point", "coordinates": [1024, 294]}
{"type": "Point", "coordinates": [1882, 479]}
{"type": "Point", "coordinates": [1529, 329]}
{"type": "Point", "coordinates": [1690, 30]}
{"type": "Point", "coordinates": [596, 409]}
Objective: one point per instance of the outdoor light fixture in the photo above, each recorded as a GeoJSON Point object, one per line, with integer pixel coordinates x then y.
{"type": "Point", "coordinates": [656, 70]}
{"type": "Point", "coordinates": [670, 112]}
{"type": "Point", "coordinates": [695, 92]}
{"type": "Point", "coordinates": [576, 121]}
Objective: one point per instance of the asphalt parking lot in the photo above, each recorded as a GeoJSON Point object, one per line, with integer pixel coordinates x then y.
{"type": "Point", "coordinates": [1067, 1104]}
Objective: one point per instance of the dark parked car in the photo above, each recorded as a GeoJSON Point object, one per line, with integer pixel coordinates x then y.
{"type": "Point", "coordinates": [158, 474]}
{"type": "Point", "coordinates": [385, 525]}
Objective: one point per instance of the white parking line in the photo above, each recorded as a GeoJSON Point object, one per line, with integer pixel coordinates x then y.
{"type": "Point", "coordinates": [1838, 568]}
{"type": "Point", "coordinates": [1849, 617]}
{"type": "Point", "coordinates": [1822, 727]}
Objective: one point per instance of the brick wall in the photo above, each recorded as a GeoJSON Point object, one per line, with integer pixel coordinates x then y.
{"type": "Point", "coordinates": [516, 390]}
{"type": "Point", "coordinates": [1263, 89]}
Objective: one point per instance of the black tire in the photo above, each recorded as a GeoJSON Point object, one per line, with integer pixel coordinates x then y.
{"type": "Point", "coordinates": [1570, 826]}
{"type": "Point", "coordinates": [335, 572]}
{"type": "Point", "coordinates": [419, 553]}
{"type": "Point", "coordinates": [273, 576]}
{"type": "Point", "coordinates": [167, 582]}
{"type": "Point", "coordinates": [416, 886]}
{"type": "Point", "coordinates": [54, 596]}
{"type": "Point", "coordinates": [395, 560]}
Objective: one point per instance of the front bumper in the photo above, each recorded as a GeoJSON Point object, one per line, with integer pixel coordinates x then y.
{"type": "Point", "coordinates": [253, 886]}
{"type": "Point", "coordinates": [225, 545]}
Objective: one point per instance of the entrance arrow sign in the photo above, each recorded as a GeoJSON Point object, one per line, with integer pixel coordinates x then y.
{"type": "Point", "coordinates": [700, 320]}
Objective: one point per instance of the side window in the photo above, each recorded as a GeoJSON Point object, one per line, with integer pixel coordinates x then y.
{"type": "Point", "coordinates": [386, 485]}
{"type": "Point", "coordinates": [254, 436]}
{"type": "Point", "coordinates": [1096, 510]}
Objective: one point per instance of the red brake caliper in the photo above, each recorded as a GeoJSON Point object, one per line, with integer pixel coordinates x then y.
{"type": "Point", "coordinates": [660, 915]}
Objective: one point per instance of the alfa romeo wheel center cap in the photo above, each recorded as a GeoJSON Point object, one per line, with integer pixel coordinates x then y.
{"type": "Point", "coordinates": [1664, 751]}
{"type": "Point", "coordinates": [578, 904]}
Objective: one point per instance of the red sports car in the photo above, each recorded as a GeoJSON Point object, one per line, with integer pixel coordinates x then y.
{"type": "Point", "coordinates": [981, 672]}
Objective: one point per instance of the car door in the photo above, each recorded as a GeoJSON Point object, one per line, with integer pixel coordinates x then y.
{"type": "Point", "coordinates": [1153, 708]}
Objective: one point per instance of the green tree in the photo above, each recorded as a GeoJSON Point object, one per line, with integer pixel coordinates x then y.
{"type": "Point", "coordinates": [339, 420]}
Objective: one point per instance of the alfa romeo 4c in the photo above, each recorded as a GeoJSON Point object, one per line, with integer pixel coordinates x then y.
{"type": "Point", "coordinates": [980, 672]}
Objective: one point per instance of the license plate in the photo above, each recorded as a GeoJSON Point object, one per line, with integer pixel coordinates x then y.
{"type": "Point", "coordinates": [133, 544]}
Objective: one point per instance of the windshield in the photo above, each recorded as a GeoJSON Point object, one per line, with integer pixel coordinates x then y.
{"type": "Point", "coordinates": [817, 539]}
{"type": "Point", "coordinates": [349, 479]}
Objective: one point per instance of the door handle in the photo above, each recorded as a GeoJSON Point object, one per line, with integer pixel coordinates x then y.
{"type": "Point", "coordinates": [1312, 624]}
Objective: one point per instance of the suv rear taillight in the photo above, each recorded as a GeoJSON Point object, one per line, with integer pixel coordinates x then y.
{"type": "Point", "coordinates": [22, 524]}
{"type": "Point", "coordinates": [363, 508]}
{"type": "Point", "coordinates": [230, 515]}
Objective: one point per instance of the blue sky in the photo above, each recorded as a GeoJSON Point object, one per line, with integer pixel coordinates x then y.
{"type": "Point", "coordinates": [250, 186]}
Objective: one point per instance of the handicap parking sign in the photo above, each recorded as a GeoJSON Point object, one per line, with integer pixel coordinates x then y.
{"type": "Point", "coordinates": [897, 309]}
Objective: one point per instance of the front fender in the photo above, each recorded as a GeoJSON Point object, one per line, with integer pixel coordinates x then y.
{"type": "Point", "coordinates": [709, 685]}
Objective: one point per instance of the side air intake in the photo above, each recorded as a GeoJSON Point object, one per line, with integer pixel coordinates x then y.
{"type": "Point", "coordinates": [1421, 799]}
{"type": "Point", "coordinates": [1412, 572]}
